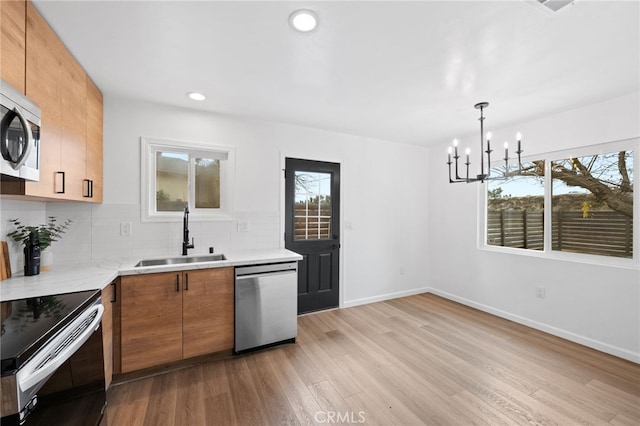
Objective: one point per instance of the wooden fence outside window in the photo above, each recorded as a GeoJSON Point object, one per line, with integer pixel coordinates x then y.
{"type": "Point", "coordinates": [605, 233]}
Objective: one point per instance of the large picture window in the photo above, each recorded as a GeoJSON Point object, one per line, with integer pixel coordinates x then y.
{"type": "Point", "coordinates": [592, 204]}
{"type": "Point", "coordinates": [515, 207]}
{"type": "Point", "coordinates": [573, 204]}
{"type": "Point", "coordinates": [177, 174]}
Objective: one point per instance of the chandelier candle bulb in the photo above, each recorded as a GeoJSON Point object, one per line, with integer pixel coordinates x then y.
{"type": "Point", "coordinates": [488, 151]}
{"type": "Point", "coordinates": [519, 138]}
{"type": "Point", "coordinates": [456, 156]}
{"type": "Point", "coordinates": [506, 157]}
{"type": "Point", "coordinates": [467, 152]}
{"type": "Point", "coordinates": [485, 174]}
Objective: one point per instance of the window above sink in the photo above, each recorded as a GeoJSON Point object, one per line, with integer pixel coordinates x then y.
{"type": "Point", "coordinates": [176, 173]}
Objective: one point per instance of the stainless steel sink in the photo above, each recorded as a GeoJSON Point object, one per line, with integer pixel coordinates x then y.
{"type": "Point", "coordinates": [181, 260]}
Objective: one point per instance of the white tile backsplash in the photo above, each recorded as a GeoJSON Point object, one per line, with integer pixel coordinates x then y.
{"type": "Point", "coordinates": [74, 246]}
{"type": "Point", "coordinates": [152, 239]}
{"type": "Point", "coordinates": [94, 233]}
{"type": "Point", "coordinates": [29, 213]}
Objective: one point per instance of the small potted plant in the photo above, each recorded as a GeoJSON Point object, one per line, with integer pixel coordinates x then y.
{"type": "Point", "coordinates": [45, 235]}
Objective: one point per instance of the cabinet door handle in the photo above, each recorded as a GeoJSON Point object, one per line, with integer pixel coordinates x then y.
{"type": "Point", "coordinates": [186, 282]}
{"type": "Point", "coordinates": [63, 179]}
{"type": "Point", "coordinates": [89, 193]}
{"type": "Point", "coordinates": [113, 295]}
{"type": "Point", "coordinates": [177, 282]}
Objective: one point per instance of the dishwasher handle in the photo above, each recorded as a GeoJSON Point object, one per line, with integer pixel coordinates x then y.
{"type": "Point", "coordinates": [264, 274]}
{"type": "Point", "coordinates": [261, 270]}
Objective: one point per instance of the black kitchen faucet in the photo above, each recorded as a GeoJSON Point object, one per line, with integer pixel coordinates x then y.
{"type": "Point", "coordinates": [185, 232]}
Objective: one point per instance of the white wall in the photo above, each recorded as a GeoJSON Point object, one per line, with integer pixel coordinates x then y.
{"type": "Point", "coordinates": [411, 229]}
{"type": "Point", "coordinates": [383, 196]}
{"type": "Point", "coordinates": [592, 304]}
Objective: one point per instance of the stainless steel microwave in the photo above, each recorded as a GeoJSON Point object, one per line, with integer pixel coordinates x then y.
{"type": "Point", "coordinates": [20, 134]}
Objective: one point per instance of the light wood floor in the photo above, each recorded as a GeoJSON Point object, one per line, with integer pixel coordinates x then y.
{"type": "Point", "coordinates": [410, 361]}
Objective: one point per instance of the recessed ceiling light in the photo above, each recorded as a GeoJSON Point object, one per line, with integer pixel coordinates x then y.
{"type": "Point", "coordinates": [303, 20]}
{"type": "Point", "coordinates": [196, 96]}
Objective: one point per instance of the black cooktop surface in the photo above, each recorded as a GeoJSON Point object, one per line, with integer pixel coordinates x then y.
{"type": "Point", "coordinates": [27, 324]}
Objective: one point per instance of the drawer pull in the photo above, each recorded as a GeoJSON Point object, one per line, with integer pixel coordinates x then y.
{"type": "Point", "coordinates": [63, 182]}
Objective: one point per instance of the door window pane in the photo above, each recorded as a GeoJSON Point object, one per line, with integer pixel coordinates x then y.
{"type": "Point", "coordinates": [312, 209]}
{"type": "Point", "coordinates": [592, 199]}
{"type": "Point", "coordinates": [515, 207]}
{"type": "Point", "coordinates": [207, 176]}
{"type": "Point", "coordinates": [172, 181]}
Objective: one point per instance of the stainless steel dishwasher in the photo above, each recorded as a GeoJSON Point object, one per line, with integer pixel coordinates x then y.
{"type": "Point", "coordinates": [266, 305]}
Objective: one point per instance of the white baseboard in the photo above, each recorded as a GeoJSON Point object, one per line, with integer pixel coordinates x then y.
{"type": "Point", "coordinates": [595, 344]}
{"type": "Point", "coordinates": [380, 298]}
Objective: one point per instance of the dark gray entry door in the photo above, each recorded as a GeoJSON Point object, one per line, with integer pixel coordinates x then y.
{"type": "Point", "coordinates": [312, 228]}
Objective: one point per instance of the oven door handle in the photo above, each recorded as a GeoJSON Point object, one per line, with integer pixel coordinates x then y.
{"type": "Point", "coordinates": [46, 362]}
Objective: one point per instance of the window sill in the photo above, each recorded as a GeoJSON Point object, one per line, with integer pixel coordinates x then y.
{"type": "Point", "coordinates": [178, 217]}
{"type": "Point", "coordinates": [590, 259]}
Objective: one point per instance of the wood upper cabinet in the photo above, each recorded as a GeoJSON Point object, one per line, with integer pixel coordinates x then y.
{"type": "Point", "coordinates": [94, 166]}
{"type": "Point", "coordinates": [12, 39]}
{"type": "Point", "coordinates": [42, 86]}
{"type": "Point", "coordinates": [170, 316]}
{"type": "Point", "coordinates": [73, 141]}
{"type": "Point", "coordinates": [71, 123]}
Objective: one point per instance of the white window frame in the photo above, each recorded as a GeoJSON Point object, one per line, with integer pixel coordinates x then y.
{"type": "Point", "coordinates": [547, 252]}
{"type": "Point", "coordinates": [148, 148]}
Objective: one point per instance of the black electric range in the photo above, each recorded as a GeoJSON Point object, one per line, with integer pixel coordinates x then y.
{"type": "Point", "coordinates": [27, 324]}
{"type": "Point", "coordinates": [41, 336]}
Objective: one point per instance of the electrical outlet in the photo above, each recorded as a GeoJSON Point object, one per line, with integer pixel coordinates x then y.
{"type": "Point", "coordinates": [541, 292]}
{"type": "Point", "coordinates": [243, 226]}
{"type": "Point", "coordinates": [125, 228]}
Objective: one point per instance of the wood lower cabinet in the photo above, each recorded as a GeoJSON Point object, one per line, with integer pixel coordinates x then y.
{"type": "Point", "coordinates": [107, 332]}
{"type": "Point", "coordinates": [207, 311]}
{"type": "Point", "coordinates": [150, 320]}
{"type": "Point", "coordinates": [170, 316]}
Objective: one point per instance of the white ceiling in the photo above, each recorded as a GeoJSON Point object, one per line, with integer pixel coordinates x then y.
{"type": "Point", "coordinates": [401, 71]}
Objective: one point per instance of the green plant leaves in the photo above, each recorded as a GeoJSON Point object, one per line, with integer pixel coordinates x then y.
{"type": "Point", "coordinates": [46, 234]}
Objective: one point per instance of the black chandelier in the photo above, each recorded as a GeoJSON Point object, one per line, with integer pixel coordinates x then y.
{"type": "Point", "coordinates": [482, 176]}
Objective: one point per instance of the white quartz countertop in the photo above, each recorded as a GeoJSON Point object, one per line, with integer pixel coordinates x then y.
{"type": "Point", "coordinates": [98, 275]}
